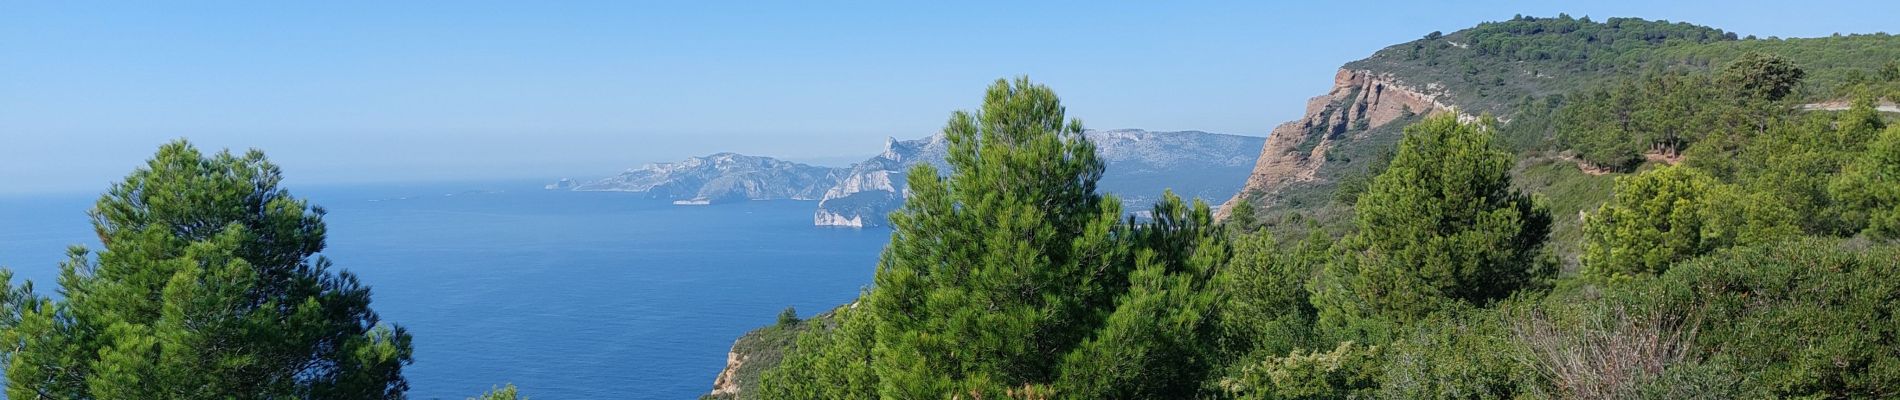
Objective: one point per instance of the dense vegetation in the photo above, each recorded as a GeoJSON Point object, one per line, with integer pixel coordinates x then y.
{"type": "Point", "coordinates": [1505, 67]}
{"type": "Point", "coordinates": [1754, 258]}
{"type": "Point", "coordinates": [1663, 113]}
{"type": "Point", "coordinates": [1490, 67]}
{"type": "Point", "coordinates": [1630, 93]}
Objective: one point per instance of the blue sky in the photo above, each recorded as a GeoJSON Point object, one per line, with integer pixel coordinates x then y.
{"type": "Point", "coordinates": [341, 91]}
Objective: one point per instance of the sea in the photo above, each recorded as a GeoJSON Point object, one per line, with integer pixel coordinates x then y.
{"type": "Point", "coordinates": [567, 295]}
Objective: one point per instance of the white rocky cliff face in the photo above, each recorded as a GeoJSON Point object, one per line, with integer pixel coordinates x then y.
{"type": "Point", "coordinates": [871, 189]}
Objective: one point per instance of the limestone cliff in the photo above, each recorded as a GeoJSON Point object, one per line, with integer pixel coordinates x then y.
{"type": "Point", "coordinates": [761, 350]}
{"type": "Point", "coordinates": [873, 188]}
{"type": "Point", "coordinates": [1140, 165]}
{"type": "Point", "coordinates": [1359, 103]}
{"type": "Point", "coordinates": [727, 384]}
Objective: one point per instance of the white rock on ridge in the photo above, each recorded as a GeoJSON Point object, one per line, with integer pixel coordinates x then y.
{"type": "Point", "coordinates": [828, 218]}
{"type": "Point", "coordinates": [1141, 164]}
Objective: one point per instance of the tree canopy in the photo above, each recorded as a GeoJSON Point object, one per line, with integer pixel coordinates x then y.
{"type": "Point", "coordinates": [1011, 277]}
{"type": "Point", "coordinates": [1441, 223]}
{"type": "Point", "coordinates": [1671, 214]}
{"type": "Point", "coordinates": [208, 286]}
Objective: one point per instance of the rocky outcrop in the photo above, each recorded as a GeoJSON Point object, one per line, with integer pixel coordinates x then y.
{"type": "Point", "coordinates": [759, 351]}
{"type": "Point", "coordinates": [1840, 105]}
{"type": "Point", "coordinates": [717, 178]}
{"type": "Point", "coordinates": [1140, 165]}
{"type": "Point", "coordinates": [826, 217]}
{"type": "Point", "coordinates": [875, 187]}
{"type": "Point", "coordinates": [727, 384]}
{"type": "Point", "coordinates": [1359, 101]}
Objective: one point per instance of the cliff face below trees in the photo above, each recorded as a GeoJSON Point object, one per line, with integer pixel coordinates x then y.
{"type": "Point", "coordinates": [1358, 105]}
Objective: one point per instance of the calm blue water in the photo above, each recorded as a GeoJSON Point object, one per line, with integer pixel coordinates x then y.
{"type": "Point", "coordinates": [569, 295]}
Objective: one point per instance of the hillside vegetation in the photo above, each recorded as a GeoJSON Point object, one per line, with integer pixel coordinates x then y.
{"type": "Point", "coordinates": [1611, 96]}
{"type": "Point", "coordinates": [1496, 67]}
{"type": "Point", "coordinates": [1651, 215]}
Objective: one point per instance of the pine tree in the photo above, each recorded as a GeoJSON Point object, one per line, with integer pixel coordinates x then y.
{"type": "Point", "coordinates": [1762, 75]}
{"type": "Point", "coordinates": [1012, 278]}
{"type": "Point", "coordinates": [1269, 311]}
{"type": "Point", "coordinates": [1871, 186]}
{"type": "Point", "coordinates": [788, 317]}
{"type": "Point", "coordinates": [1794, 165]}
{"type": "Point", "coordinates": [1667, 215]}
{"type": "Point", "coordinates": [1160, 341]}
{"type": "Point", "coordinates": [997, 270]}
{"type": "Point", "coordinates": [208, 286]}
{"type": "Point", "coordinates": [1441, 224]}
{"type": "Point", "coordinates": [1243, 216]}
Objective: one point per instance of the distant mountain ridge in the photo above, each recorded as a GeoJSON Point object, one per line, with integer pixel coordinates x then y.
{"type": "Point", "coordinates": [720, 177]}
{"type": "Point", "coordinates": [1141, 164]}
{"type": "Point", "coordinates": [875, 187]}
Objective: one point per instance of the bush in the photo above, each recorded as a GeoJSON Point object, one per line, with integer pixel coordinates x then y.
{"type": "Point", "coordinates": [1349, 371]}
{"type": "Point", "coordinates": [1663, 216]}
{"type": "Point", "coordinates": [1603, 349]}
{"type": "Point", "coordinates": [788, 317]}
{"type": "Point", "coordinates": [1872, 184]}
{"type": "Point", "coordinates": [1458, 353]}
{"type": "Point", "coordinates": [1806, 318]}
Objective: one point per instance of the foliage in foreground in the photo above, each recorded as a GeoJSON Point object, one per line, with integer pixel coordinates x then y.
{"type": "Point", "coordinates": [505, 392]}
{"type": "Point", "coordinates": [1011, 277]}
{"type": "Point", "coordinates": [1747, 254]}
{"type": "Point", "coordinates": [1442, 224]}
{"type": "Point", "coordinates": [1729, 276]}
{"type": "Point", "coordinates": [208, 286]}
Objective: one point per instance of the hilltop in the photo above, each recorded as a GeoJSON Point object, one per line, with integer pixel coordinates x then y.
{"type": "Point", "coordinates": [1521, 72]}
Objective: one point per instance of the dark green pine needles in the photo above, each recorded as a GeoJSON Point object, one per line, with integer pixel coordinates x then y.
{"type": "Point", "coordinates": [208, 287]}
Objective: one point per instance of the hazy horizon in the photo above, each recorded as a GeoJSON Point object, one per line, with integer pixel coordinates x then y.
{"type": "Point", "coordinates": [372, 92]}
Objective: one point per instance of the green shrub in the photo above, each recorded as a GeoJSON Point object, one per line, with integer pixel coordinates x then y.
{"type": "Point", "coordinates": [1663, 216]}
{"type": "Point", "coordinates": [788, 317]}
{"type": "Point", "coordinates": [1804, 318]}
{"type": "Point", "coordinates": [1348, 371]}
{"type": "Point", "coordinates": [1458, 353]}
